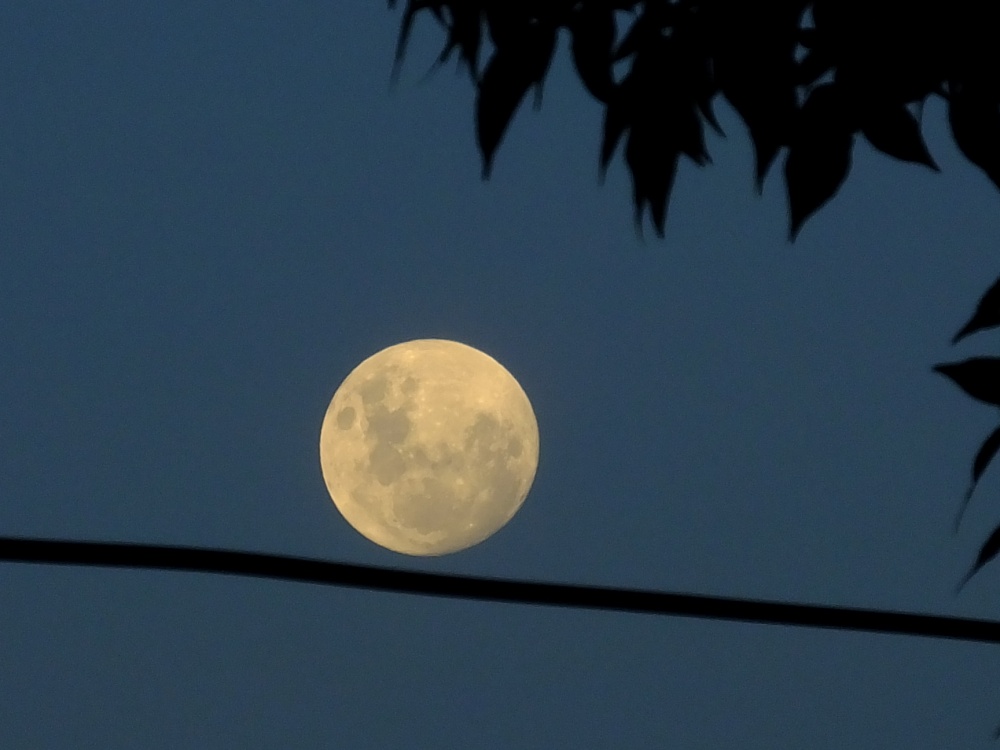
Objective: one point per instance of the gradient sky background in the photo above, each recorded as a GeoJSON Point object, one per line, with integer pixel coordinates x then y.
{"type": "Point", "coordinates": [211, 212]}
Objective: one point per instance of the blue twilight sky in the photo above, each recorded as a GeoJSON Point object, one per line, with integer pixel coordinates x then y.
{"type": "Point", "coordinates": [211, 212]}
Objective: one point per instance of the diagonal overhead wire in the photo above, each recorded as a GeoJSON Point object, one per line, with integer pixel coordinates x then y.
{"type": "Point", "coordinates": [323, 572]}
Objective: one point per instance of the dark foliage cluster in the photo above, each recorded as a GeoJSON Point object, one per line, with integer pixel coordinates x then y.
{"type": "Point", "coordinates": [807, 77]}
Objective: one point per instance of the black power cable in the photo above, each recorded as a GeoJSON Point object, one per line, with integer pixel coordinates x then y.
{"type": "Point", "coordinates": [306, 570]}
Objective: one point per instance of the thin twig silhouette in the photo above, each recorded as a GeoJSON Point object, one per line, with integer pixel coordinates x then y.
{"type": "Point", "coordinates": [306, 570]}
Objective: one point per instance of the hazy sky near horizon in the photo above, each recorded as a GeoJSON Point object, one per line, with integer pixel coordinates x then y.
{"type": "Point", "coordinates": [210, 213]}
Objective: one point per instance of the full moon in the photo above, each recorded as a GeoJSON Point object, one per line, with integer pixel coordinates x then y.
{"type": "Point", "coordinates": [429, 447]}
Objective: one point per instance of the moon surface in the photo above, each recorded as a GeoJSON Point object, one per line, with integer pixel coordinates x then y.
{"type": "Point", "coordinates": [429, 447]}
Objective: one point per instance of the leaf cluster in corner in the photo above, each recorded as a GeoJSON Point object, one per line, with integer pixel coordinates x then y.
{"type": "Point", "coordinates": [805, 76]}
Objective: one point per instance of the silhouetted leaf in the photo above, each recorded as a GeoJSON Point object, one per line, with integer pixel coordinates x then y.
{"type": "Point", "coordinates": [592, 28]}
{"type": "Point", "coordinates": [505, 81]}
{"type": "Point", "coordinates": [617, 118]}
{"type": "Point", "coordinates": [987, 452]}
{"type": "Point", "coordinates": [508, 21]}
{"type": "Point", "coordinates": [656, 102]}
{"type": "Point", "coordinates": [979, 377]}
{"type": "Point", "coordinates": [752, 48]}
{"type": "Point", "coordinates": [652, 163]}
{"type": "Point", "coordinates": [819, 156]}
{"type": "Point", "coordinates": [989, 550]}
{"type": "Point", "coordinates": [894, 131]}
{"type": "Point", "coordinates": [465, 34]}
{"type": "Point", "coordinates": [812, 66]}
{"type": "Point", "coordinates": [767, 109]}
{"type": "Point", "coordinates": [656, 141]}
{"type": "Point", "coordinates": [690, 135]}
{"type": "Point", "coordinates": [705, 107]}
{"type": "Point", "coordinates": [693, 78]}
{"type": "Point", "coordinates": [406, 27]}
{"type": "Point", "coordinates": [463, 22]}
{"type": "Point", "coordinates": [987, 314]}
{"type": "Point", "coordinates": [682, 78]}
{"type": "Point", "coordinates": [628, 99]}
{"type": "Point", "coordinates": [974, 116]}
{"type": "Point", "coordinates": [646, 29]}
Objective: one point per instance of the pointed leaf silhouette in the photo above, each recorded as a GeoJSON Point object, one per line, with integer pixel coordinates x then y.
{"type": "Point", "coordinates": [752, 48]}
{"type": "Point", "coordinates": [655, 143]}
{"type": "Point", "coordinates": [593, 30]}
{"type": "Point", "coordinates": [693, 77]}
{"type": "Point", "coordinates": [690, 135]}
{"type": "Point", "coordinates": [894, 131]}
{"type": "Point", "coordinates": [617, 118]}
{"type": "Point", "coordinates": [659, 99]}
{"type": "Point", "coordinates": [974, 117]}
{"type": "Point", "coordinates": [989, 550]}
{"type": "Point", "coordinates": [653, 166]}
{"type": "Point", "coordinates": [819, 156]}
{"type": "Point", "coordinates": [507, 21]}
{"type": "Point", "coordinates": [463, 23]}
{"type": "Point", "coordinates": [631, 97]}
{"type": "Point", "coordinates": [812, 66]}
{"type": "Point", "coordinates": [705, 107]}
{"type": "Point", "coordinates": [505, 81]}
{"type": "Point", "coordinates": [987, 452]}
{"type": "Point", "coordinates": [406, 27]}
{"type": "Point", "coordinates": [987, 314]}
{"type": "Point", "coordinates": [647, 27]}
{"type": "Point", "coordinates": [464, 34]}
{"type": "Point", "coordinates": [979, 377]}
{"type": "Point", "coordinates": [767, 109]}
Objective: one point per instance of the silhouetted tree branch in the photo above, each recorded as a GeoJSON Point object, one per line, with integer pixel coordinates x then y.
{"type": "Point", "coordinates": [806, 77]}
{"type": "Point", "coordinates": [305, 570]}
